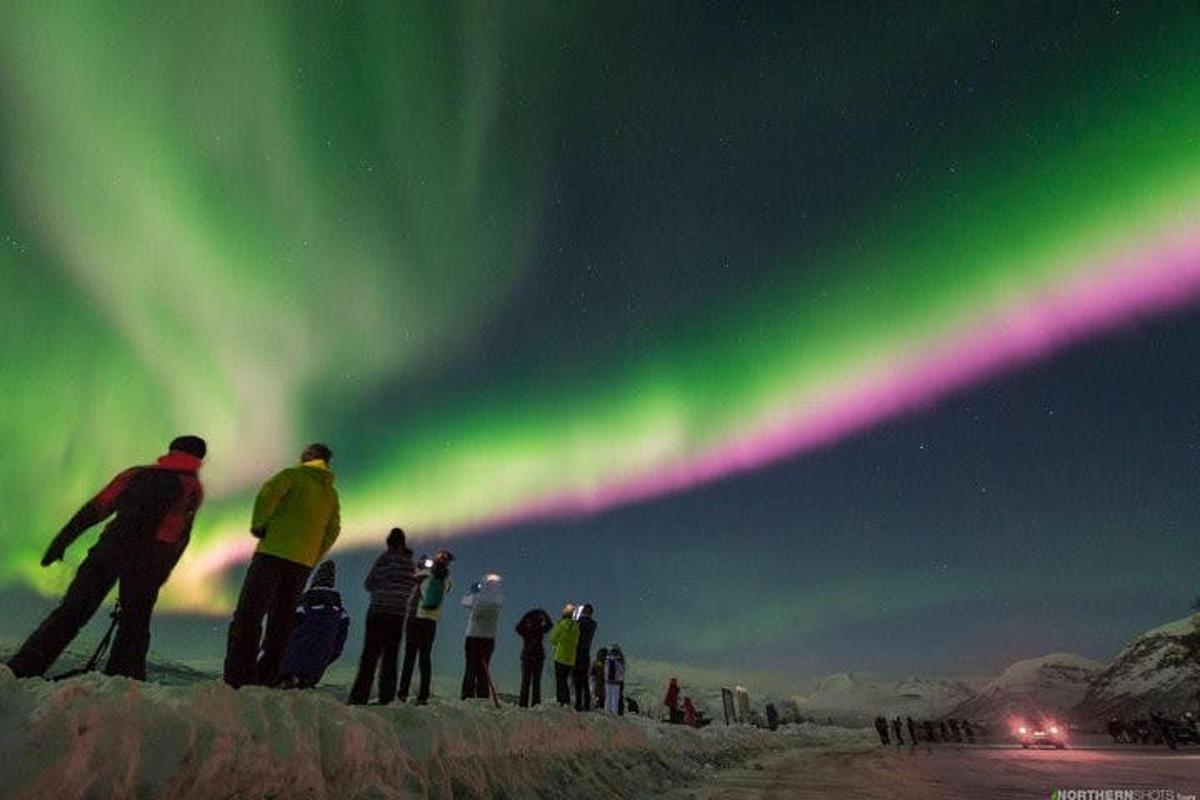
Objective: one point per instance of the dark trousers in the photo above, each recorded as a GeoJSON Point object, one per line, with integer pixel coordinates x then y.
{"type": "Point", "coordinates": [579, 675]}
{"type": "Point", "coordinates": [272, 588]}
{"type": "Point", "coordinates": [479, 657]}
{"type": "Point", "coordinates": [141, 569]}
{"type": "Point", "coordinates": [531, 678]}
{"type": "Point", "coordinates": [562, 689]}
{"type": "Point", "coordinates": [421, 633]}
{"type": "Point", "coordinates": [385, 630]}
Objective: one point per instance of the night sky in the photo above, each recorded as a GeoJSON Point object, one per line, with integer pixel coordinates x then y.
{"type": "Point", "coordinates": [793, 336]}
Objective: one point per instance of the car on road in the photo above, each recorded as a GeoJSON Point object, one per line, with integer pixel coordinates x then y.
{"type": "Point", "coordinates": [1040, 733]}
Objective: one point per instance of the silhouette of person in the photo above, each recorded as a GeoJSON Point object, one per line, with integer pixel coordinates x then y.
{"type": "Point", "coordinates": [154, 506]}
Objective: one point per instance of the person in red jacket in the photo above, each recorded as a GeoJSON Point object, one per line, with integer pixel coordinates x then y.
{"type": "Point", "coordinates": [154, 507]}
{"type": "Point", "coordinates": [671, 701]}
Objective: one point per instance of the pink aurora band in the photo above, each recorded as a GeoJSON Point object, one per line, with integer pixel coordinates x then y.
{"type": "Point", "coordinates": [1136, 283]}
{"type": "Point", "coordinates": [1124, 287]}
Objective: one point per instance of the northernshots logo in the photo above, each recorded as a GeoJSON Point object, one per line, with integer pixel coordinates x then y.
{"type": "Point", "coordinates": [1119, 794]}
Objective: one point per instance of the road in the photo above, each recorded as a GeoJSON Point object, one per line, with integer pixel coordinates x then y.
{"type": "Point", "coordinates": [952, 771]}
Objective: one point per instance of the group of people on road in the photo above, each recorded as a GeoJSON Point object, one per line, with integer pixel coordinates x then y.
{"type": "Point", "coordinates": [946, 730]}
{"type": "Point", "coordinates": [286, 635]}
{"type": "Point", "coordinates": [1157, 727]}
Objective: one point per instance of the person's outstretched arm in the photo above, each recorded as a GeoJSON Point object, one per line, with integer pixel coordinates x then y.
{"type": "Point", "coordinates": [268, 500]}
{"type": "Point", "coordinates": [94, 511]}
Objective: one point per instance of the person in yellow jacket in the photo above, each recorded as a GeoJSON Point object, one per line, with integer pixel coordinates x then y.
{"type": "Point", "coordinates": [296, 519]}
{"type": "Point", "coordinates": [564, 639]}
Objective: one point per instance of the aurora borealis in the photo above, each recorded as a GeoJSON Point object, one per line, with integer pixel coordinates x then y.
{"type": "Point", "coordinates": [524, 264]}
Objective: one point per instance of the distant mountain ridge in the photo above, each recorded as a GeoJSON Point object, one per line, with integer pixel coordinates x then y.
{"type": "Point", "coordinates": [849, 696]}
{"type": "Point", "coordinates": [1158, 671]}
{"type": "Point", "coordinates": [1053, 684]}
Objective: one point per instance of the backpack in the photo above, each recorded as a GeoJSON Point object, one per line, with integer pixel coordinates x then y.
{"type": "Point", "coordinates": [435, 590]}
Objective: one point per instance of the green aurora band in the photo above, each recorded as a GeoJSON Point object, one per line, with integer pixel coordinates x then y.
{"type": "Point", "coordinates": [251, 223]}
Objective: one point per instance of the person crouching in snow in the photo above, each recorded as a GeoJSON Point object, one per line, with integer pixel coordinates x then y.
{"type": "Point", "coordinates": [614, 679]}
{"type": "Point", "coordinates": [319, 633]}
{"type": "Point", "coordinates": [691, 717]}
{"type": "Point", "coordinates": [484, 600]}
{"type": "Point", "coordinates": [564, 638]}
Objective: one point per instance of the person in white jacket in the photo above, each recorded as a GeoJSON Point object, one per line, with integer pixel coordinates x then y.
{"type": "Point", "coordinates": [484, 599]}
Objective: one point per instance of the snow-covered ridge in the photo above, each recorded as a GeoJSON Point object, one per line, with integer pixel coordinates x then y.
{"type": "Point", "coordinates": [1052, 684]}
{"type": "Point", "coordinates": [97, 736]}
{"type": "Point", "coordinates": [855, 697]}
{"type": "Point", "coordinates": [1157, 671]}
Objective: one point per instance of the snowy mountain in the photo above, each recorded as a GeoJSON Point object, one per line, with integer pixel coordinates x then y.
{"type": "Point", "coordinates": [855, 697]}
{"type": "Point", "coordinates": [1156, 671]}
{"type": "Point", "coordinates": [1050, 684]}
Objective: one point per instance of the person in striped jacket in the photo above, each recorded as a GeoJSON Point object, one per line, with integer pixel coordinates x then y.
{"type": "Point", "coordinates": [390, 582]}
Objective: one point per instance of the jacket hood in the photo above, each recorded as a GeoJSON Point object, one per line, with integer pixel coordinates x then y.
{"type": "Point", "coordinates": [319, 470]}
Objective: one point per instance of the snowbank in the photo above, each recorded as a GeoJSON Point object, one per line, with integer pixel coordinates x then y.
{"type": "Point", "coordinates": [110, 737]}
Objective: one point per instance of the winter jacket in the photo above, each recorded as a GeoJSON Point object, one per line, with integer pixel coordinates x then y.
{"type": "Point", "coordinates": [614, 669]}
{"type": "Point", "coordinates": [691, 717]}
{"type": "Point", "coordinates": [671, 701]}
{"type": "Point", "coordinates": [564, 638]}
{"type": "Point", "coordinates": [485, 606]}
{"type": "Point", "coordinates": [416, 603]}
{"type": "Point", "coordinates": [296, 514]}
{"type": "Point", "coordinates": [318, 637]}
{"type": "Point", "coordinates": [532, 628]}
{"type": "Point", "coordinates": [152, 503]}
{"type": "Point", "coordinates": [587, 632]}
{"type": "Point", "coordinates": [391, 581]}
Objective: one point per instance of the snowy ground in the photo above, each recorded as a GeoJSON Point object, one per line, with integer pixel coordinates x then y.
{"type": "Point", "coordinates": [109, 737]}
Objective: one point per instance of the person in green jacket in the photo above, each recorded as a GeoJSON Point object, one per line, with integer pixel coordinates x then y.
{"type": "Point", "coordinates": [564, 639]}
{"type": "Point", "coordinates": [296, 520]}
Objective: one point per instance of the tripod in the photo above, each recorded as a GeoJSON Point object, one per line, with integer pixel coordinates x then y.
{"type": "Point", "coordinates": [101, 648]}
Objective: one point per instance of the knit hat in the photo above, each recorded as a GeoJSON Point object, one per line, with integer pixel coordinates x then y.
{"type": "Point", "coordinates": [395, 539]}
{"type": "Point", "coordinates": [192, 445]}
{"type": "Point", "coordinates": [325, 575]}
